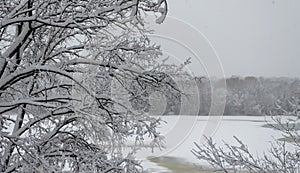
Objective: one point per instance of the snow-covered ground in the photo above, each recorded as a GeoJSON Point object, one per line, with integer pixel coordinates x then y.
{"type": "Point", "coordinates": [182, 131]}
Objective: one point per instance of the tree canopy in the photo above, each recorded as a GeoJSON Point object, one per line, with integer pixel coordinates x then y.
{"type": "Point", "coordinates": [60, 60]}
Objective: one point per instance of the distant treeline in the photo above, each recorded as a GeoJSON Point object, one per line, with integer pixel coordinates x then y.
{"type": "Point", "coordinates": [244, 96]}
{"type": "Point", "coordinates": [252, 95]}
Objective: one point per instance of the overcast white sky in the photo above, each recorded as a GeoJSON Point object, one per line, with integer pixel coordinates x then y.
{"type": "Point", "coordinates": [251, 37]}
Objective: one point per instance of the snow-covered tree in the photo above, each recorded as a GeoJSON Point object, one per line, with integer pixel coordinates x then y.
{"type": "Point", "coordinates": [60, 61]}
{"type": "Point", "coordinates": [282, 157]}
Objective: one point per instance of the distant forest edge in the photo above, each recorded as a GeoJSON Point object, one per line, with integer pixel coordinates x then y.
{"type": "Point", "coordinates": [244, 96]}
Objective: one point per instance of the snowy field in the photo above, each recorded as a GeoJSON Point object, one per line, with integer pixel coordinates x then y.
{"type": "Point", "coordinates": [182, 131]}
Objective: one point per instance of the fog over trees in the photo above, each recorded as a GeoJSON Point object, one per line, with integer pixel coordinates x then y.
{"type": "Point", "coordinates": [254, 95]}
{"type": "Point", "coordinates": [244, 95]}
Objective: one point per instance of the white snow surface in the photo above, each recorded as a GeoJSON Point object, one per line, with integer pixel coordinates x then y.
{"type": "Point", "coordinates": [182, 131]}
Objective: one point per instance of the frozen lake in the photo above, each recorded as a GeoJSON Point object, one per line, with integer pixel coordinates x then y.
{"type": "Point", "coordinates": [182, 131]}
